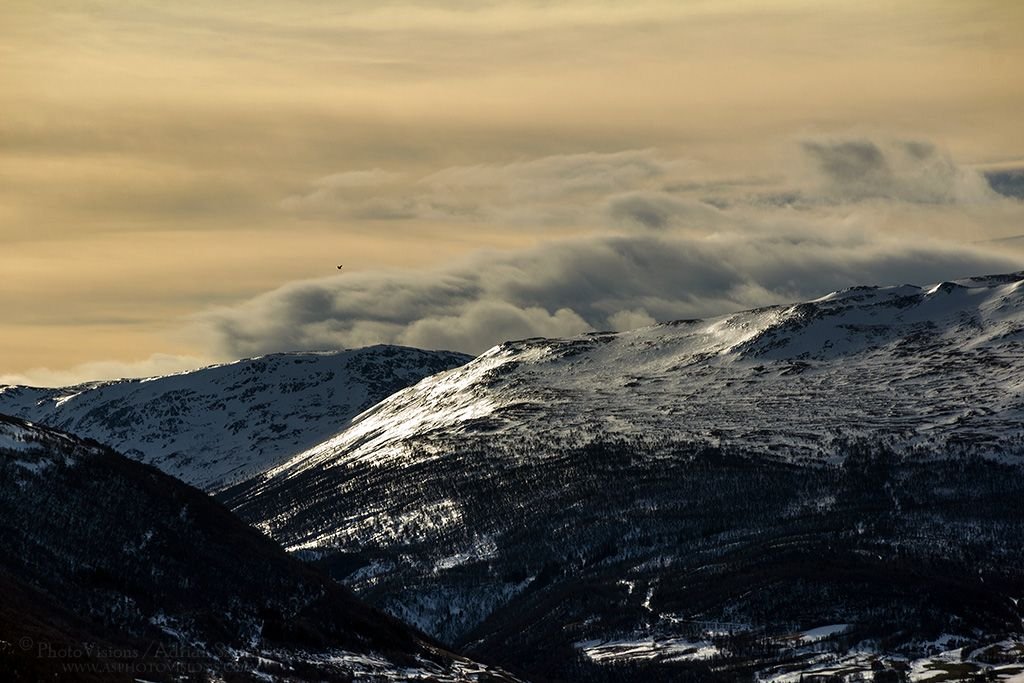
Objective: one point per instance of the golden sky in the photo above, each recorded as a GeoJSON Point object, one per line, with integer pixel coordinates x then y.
{"type": "Point", "coordinates": [164, 165]}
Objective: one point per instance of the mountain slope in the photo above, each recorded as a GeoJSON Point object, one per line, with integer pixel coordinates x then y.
{"type": "Point", "coordinates": [112, 570]}
{"type": "Point", "coordinates": [926, 365]}
{"type": "Point", "coordinates": [227, 422]}
{"type": "Point", "coordinates": [852, 460]}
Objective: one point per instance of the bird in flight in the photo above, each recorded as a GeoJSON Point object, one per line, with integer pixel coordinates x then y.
{"type": "Point", "coordinates": [339, 267]}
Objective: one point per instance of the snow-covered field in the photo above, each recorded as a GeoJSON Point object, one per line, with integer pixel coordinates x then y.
{"type": "Point", "coordinates": [664, 650]}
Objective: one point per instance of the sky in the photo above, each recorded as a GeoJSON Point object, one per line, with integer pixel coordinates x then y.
{"type": "Point", "coordinates": [179, 181]}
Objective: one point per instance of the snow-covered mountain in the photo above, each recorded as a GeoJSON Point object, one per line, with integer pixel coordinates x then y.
{"type": "Point", "coordinates": [933, 367]}
{"type": "Point", "coordinates": [112, 570]}
{"type": "Point", "coordinates": [853, 460]}
{"type": "Point", "coordinates": [227, 422]}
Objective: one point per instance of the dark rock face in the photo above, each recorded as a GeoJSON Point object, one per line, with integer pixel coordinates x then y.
{"type": "Point", "coordinates": [541, 553]}
{"type": "Point", "coordinates": [113, 570]}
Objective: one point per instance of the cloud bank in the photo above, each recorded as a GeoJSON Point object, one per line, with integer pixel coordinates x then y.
{"type": "Point", "coordinates": [664, 241]}
{"type": "Point", "coordinates": [573, 286]}
{"type": "Point", "coordinates": [647, 189]}
{"type": "Point", "coordinates": [661, 239]}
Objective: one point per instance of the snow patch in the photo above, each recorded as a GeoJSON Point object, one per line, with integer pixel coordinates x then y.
{"type": "Point", "coordinates": [669, 650]}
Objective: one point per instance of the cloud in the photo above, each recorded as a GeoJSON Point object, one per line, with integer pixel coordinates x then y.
{"type": "Point", "coordinates": [665, 239]}
{"type": "Point", "coordinates": [370, 194]}
{"type": "Point", "coordinates": [630, 320]}
{"type": "Point", "coordinates": [478, 324]}
{"type": "Point", "coordinates": [913, 171]}
{"type": "Point", "coordinates": [649, 190]}
{"type": "Point", "coordinates": [157, 364]}
{"type": "Point", "coordinates": [1007, 182]}
{"type": "Point", "coordinates": [558, 189]}
{"type": "Point", "coordinates": [660, 210]}
{"type": "Point", "coordinates": [558, 175]}
{"type": "Point", "coordinates": [571, 286]}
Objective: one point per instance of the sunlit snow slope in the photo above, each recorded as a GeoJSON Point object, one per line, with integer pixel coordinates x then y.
{"type": "Point", "coordinates": [227, 422]}
{"type": "Point", "coordinates": [931, 366]}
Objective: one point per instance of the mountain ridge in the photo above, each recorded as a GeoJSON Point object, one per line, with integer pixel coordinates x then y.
{"type": "Point", "coordinates": [113, 568]}
{"type": "Point", "coordinates": [794, 337]}
{"type": "Point", "coordinates": [229, 421]}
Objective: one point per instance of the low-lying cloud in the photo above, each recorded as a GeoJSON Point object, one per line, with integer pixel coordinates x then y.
{"type": "Point", "coordinates": [572, 286]}
{"type": "Point", "coordinates": [658, 239]}
{"type": "Point", "coordinates": [663, 241]}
